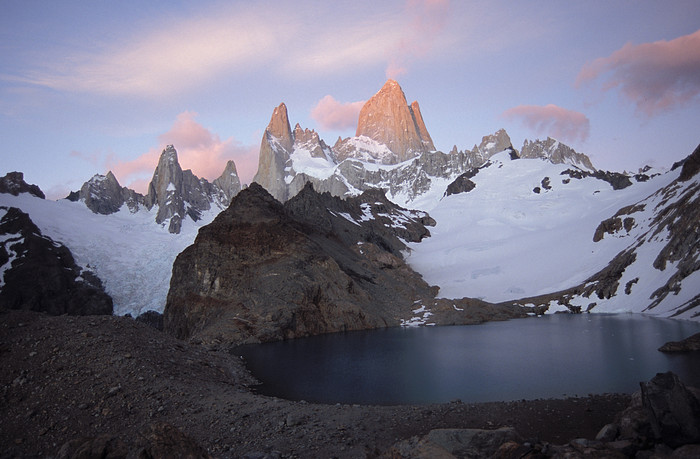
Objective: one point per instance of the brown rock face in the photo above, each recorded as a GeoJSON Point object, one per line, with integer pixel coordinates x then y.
{"type": "Point", "coordinates": [263, 271]}
{"type": "Point", "coordinates": [388, 119]}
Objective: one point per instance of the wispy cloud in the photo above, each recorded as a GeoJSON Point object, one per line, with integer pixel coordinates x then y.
{"type": "Point", "coordinates": [654, 76]}
{"type": "Point", "coordinates": [168, 58]}
{"type": "Point", "coordinates": [552, 120]}
{"type": "Point", "coordinates": [198, 149]}
{"type": "Point", "coordinates": [333, 115]}
{"type": "Point", "coordinates": [185, 53]}
{"type": "Point", "coordinates": [427, 19]}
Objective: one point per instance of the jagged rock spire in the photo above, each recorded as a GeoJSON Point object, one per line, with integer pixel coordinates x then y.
{"type": "Point", "coordinates": [228, 183]}
{"type": "Point", "coordinates": [165, 190]}
{"type": "Point", "coordinates": [388, 119]}
{"type": "Point", "coordinates": [276, 146]}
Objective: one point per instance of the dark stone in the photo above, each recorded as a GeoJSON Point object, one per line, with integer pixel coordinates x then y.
{"type": "Point", "coordinates": [155, 441]}
{"type": "Point", "coordinates": [13, 183]}
{"type": "Point", "coordinates": [100, 447]}
{"type": "Point", "coordinates": [462, 184]}
{"type": "Point", "coordinates": [467, 443]}
{"type": "Point", "coordinates": [692, 343]}
{"type": "Point", "coordinates": [608, 433]}
{"type": "Point", "coordinates": [546, 183]}
{"type": "Point", "coordinates": [686, 452]}
{"type": "Point", "coordinates": [73, 196]}
{"type": "Point", "coordinates": [608, 226]}
{"type": "Point", "coordinates": [616, 180]}
{"type": "Point", "coordinates": [152, 318]}
{"type": "Point", "coordinates": [44, 276]}
{"type": "Point", "coordinates": [674, 412]}
{"type": "Point", "coordinates": [691, 165]}
{"type": "Point", "coordinates": [164, 441]}
{"type": "Point", "coordinates": [629, 284]}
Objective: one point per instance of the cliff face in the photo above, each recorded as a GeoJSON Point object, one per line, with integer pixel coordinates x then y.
{"type": "Point", "coordinates": [276, 146]}
{"type": "Point", "coordinates": [387, 119]}
{"type": "Point", "coordinates": [264, 271]}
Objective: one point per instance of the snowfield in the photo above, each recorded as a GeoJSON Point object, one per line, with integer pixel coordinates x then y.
{"type": "Point", "coordinates": [502, 241]}
{"type": "Point", "coordinates": [132, 255]}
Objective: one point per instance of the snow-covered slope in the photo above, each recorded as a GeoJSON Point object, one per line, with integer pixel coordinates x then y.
{"type": "Point", "coordinates": [132, 255]}
{"type": "Point", "coordinates": [504, 241]}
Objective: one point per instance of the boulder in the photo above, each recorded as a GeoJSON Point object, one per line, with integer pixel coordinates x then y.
{"type": "Point", "coordinates": [674, 411]}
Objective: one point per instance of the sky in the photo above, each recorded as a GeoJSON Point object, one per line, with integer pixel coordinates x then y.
{"type": "Point", "coordinates": [92, 86]}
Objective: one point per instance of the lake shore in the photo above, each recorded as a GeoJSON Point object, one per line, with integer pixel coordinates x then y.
{"type": "Point", "coordinates": [67, 378]}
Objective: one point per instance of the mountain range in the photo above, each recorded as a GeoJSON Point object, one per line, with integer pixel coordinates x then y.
{"type": "Point", "coordinates": [528, 231]}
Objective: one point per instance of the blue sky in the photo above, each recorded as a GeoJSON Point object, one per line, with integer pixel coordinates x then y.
{"type": "Point", "coordinates": [86, 87]}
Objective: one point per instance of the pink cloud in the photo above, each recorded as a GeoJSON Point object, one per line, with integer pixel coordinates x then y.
{"type": "Point", "coordinates": [334, 115]}
{"type": "Point", "coordinates": [198, 149]}
{"type": "Point", "coordinates": [560, 123]}
{"type": "Point", "coordinates": [427, 20]}
{"type": "Point", "coordinates": [654, 76]}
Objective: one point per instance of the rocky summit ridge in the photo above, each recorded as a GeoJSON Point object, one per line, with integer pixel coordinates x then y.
{"type": "Point", "coordinates": [392, 150]}
{"type": "Point", "coordinates": [177, 194]}
{"type": "Point", "coordinates": [387, 119]}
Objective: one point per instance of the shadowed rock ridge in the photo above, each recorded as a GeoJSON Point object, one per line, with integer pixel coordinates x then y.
{"type": "Point", "coordinates": [178, 194]}
{"type": "Point", "coordinates": [262, 271]}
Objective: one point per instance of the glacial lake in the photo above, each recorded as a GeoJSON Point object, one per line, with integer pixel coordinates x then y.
{"type": "Point", "coordinates": [553, 356]}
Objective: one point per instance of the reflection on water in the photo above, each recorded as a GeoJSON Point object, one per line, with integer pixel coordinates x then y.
{"type": "Point", "coordinates": [545, 357]}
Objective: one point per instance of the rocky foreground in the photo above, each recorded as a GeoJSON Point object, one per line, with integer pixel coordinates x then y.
{"type": "Point", "coordinates": [106, 386]}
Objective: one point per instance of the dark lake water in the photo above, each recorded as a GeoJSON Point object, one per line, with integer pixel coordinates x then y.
{"type": "Point", "coordinates": [546, 357]}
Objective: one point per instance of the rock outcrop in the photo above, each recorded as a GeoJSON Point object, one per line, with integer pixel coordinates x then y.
{"type": "Point", "coordinates": [262, 271]}
{"type": "Point", "coordinates": [13, 183]}
{"type": "Point", "coordinates": [690, 344]}
{"type": "Point", "coordinates": [39, 274]}
{"type": "Point", "coordinates": [177, 193]}
{"type": "Point", "coordinates": [102, 194]}
{"type": "Point", "coordinates": [691, 165]}
{"type": "Point", "coordinates": [462, 184]}
{"type": "Point", "coordinates": [555, 152]}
